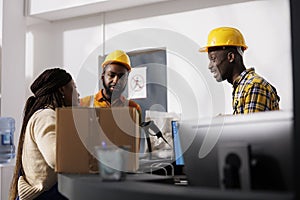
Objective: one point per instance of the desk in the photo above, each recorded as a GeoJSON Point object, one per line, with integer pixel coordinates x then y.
{"type": "Point", "coordinates": [81, 187]}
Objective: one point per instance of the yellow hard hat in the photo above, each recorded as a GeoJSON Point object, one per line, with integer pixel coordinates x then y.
{"type": "Point", "coordinates": [224, 36]}
{"type": "Point", "coordinates": [118, 56]}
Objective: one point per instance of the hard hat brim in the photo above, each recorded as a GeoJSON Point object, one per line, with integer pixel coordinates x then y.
{"type": "Point", "coordinates": [128, 67]}
{"type": "Point", "coordinates": [203, 49]}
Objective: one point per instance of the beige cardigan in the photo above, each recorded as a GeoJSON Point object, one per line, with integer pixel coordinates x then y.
{"type": "Point", "coordinates": [38, 157]}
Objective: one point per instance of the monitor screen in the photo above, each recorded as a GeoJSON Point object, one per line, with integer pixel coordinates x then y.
{"type": "Point", "coordinates": [176, 144]}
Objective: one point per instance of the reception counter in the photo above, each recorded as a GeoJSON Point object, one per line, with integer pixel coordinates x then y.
{"type": "Point", "coordinates": [149, 187]}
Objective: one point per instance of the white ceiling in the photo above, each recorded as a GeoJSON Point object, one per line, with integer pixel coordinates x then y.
{"type": "Point", "coordinates": [52, 10]}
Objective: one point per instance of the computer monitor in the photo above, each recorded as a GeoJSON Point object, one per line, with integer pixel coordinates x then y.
{"type": "Point", "coordinates": [259, 143]}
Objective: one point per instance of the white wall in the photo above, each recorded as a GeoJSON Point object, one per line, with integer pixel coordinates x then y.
{"type": "Point", "coordinates": [68, 44]}
{"type": "Point", "coordinates": [181, 26]}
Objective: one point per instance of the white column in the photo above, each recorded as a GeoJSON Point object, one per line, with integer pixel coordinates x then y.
{"type": "Point", "coordinates": [12, 75]}
{"type": "Point", "coordinates": [13, 62]}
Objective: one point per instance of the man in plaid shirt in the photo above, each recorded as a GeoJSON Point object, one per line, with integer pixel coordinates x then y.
{"type": "Point", "coordinates": [251, 92]}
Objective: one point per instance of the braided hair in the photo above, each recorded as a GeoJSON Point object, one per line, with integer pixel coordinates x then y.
{"type": "Point", "coordinates": [46, 95]}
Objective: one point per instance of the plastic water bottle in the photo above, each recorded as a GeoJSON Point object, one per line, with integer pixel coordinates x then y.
{"type": "Point", "coordinates": [7, 148]}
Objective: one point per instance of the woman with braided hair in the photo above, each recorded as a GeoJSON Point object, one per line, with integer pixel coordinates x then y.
{"type": "Point", "coordinates": [34, 176]}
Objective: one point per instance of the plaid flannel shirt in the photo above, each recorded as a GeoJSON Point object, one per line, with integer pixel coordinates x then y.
{"type": "Point", "coordinates": [252, 93]}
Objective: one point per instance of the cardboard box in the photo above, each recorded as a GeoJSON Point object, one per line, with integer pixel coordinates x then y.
{"type": "Point", "coordinates": [80, 129]}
